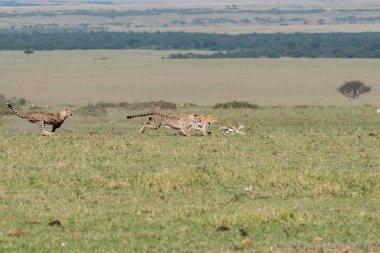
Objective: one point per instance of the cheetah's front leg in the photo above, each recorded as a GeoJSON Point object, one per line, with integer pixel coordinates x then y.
{"type": "Point", "coordinates": [142, 130]}
{"type": "Point", "coordinates": [55, 127]}
{"type": "Point", "coordinates": [204, 130]}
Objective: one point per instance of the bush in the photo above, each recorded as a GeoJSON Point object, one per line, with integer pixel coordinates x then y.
{"type": "Point", "coordinates": [100, 108]}
{"type": "Point", "coordinates": [4, 110]}
{"type": "Point", "coordinates": [138, 106]}
{"type": "Point", "coordinates": [123, 104]}
{"type": "Point", "coordinates": [301, 106]}
{"type": "Point", "coordinates": [152, 105]}
{"type": "Point", "coordinates": [92, 110]}
{"type": "Point", "coordinates": [2, 99]}
{"type": "Point", "coordinates": [16, 101]}
{"type": "Point", "coordinates": [105, 105]}
{"type": "Point", "coordinates": [235, 104]}
{"type": "Point", "coordinates": [185, 105]}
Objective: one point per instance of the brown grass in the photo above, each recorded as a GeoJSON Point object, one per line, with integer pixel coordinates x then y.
{"type": "Point", "coordinates": [80, 77]}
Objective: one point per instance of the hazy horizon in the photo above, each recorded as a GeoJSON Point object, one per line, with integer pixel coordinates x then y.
{"type": "Point", "coordinates": [15, 3]}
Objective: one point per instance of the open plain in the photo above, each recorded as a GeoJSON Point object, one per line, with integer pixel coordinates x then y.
{"type": "Point", "coordinates": [90, 76]}
{"type": "Point", "coordinates": [304, 178]}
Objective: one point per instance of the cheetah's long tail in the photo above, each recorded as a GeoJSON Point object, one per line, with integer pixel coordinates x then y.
{"type": "Point", "coordinates": [15, 111]}
{"type": "Point", "coordinates": [140, 115]}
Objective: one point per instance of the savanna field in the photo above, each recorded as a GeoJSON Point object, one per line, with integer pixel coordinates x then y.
{"type": "Point", "coordinates": [304, 178]}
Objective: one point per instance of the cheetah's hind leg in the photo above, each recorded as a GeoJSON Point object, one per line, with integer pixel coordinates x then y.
{"type": "Point", "coordinates": [185, 132]}
{"type": "Point", "coordinates": [150, 126]}
{"type": "Point", "coordinates": [41, 125]}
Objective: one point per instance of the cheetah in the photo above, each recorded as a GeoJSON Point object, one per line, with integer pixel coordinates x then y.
{"type": "Point", "coordinates": [155, 120]}
{"type": "Point", "coordinates": [201, 122]}
{"type": "Point", "coordinates": [42, 118]}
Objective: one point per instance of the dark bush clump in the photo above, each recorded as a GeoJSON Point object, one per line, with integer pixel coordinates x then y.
{"type": "Point", "coordinates": [133, 106]}
{"type": "Point", "coordinates": [301, 106]}
{"type": "Point", "coordinates": [106, 105]}
{"type": "Point", "coordinates": [185, 105]}
{"type": "Point", "coordinates": [236, 104]}
{"type": "Point", "coordinates": [100, 108]}
{"type": "Point", "coordinates": [3, 109]}
{"type": "Point", "coordinates": [152, 105]}
{"type": "Point", "coordinates": [16, 101]}
{"type": "Point", "coordinates": [123, 104]}
{"type": "Point", "coordinates": [92, 110]}
{"type": "Point", "coordinates": [2, 99]}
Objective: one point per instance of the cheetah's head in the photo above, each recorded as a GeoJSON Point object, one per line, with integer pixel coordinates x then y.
{"type": "Point", "coordinates": [67, 113]}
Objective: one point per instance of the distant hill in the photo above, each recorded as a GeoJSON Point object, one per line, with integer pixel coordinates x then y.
{"type": "Point", "coordinates": [16, 3]}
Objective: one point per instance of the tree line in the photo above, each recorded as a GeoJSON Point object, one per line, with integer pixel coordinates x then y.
{"type": "Point", "coordinates": [313, 45]}
{"type": "Point", "coordinates": [164, 11]}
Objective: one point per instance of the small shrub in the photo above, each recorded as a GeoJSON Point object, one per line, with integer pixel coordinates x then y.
{"type": "Point", "coordinates": [151, 105]}
{"type": "Point", "coordinates": [301, 106]}
{"type": "Point", "coordinates": [236, 104]}
{"type": "Point", "coordinates": [4, 110]}
{"type": "Point", "coordinates": [106, 105]}
{"type": "Point", "coordinates": [185, 105]}
{"type": "Point", "coordinates": [16, 101]}
{"type": "Point", "coordinates": [36, 108]}
{"type": "Point", "coordinates": [2, 99]}
{"type": "Point", "coordinates": [100, 108]}
{"type": "Point", "coordinates": [165, 105]}
{"type": "Point", "coordinates": [134, 106]}
{"type": "Point", "coordinates": [92, 110]}
{"type": "Point", "coordinates": [123, 104]}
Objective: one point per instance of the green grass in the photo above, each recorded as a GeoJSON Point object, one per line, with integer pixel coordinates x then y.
{"type": "Point", "coordinates": [302, 179]}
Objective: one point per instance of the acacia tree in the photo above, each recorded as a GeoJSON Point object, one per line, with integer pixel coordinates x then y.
{"type": "Point", "coordinates": [28, 52]}
{"type": "Point", "coordinates": [353, 89]}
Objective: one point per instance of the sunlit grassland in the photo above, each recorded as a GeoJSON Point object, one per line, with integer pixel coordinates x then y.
{"type": "Point", "coordinates": [302, 179]}
{"type": "Point", "coordinates": [80, 77]}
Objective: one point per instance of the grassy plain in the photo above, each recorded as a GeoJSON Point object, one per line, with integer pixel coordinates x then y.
{"type": "Point", "coordinates": [80, 77]}
{"type": "Point", "coordinates": [303, 179]}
